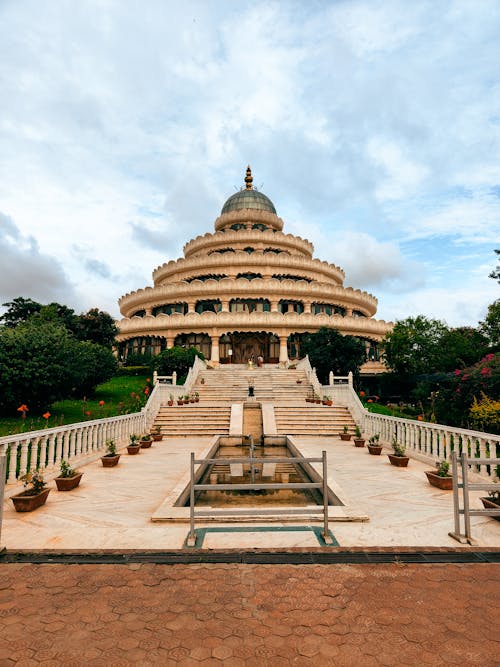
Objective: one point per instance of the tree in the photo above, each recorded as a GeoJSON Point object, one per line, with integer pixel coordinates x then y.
{"type": "Point", "coordinates": [491, 325]}
{"type": "Point", "coordinates": [41, 362]}
{"type": "Point", "coordinates": [178, 359]}
{"type": "Point", "coordinates": [19, 310]}
{"type": "Point", "coordinates": [329, 350]}
{"type": "Point", "coordinates": [460, 347]}
{"type": "Point", "coordinates": [97, 326]}
{"type": "Point", "coordinates": [57, 313]}
{"type": "Point", "coordinates": [413, 346]}
{"type": "Point", "coordinates": [495, 274]}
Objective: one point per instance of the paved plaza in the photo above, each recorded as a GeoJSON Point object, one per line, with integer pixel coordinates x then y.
{"type": "Point", "coordinates": [112, 508]}
{"type": "Point", "coordinates": [249, 615]}
{"type": "Point", "coordinates": [235, 614]}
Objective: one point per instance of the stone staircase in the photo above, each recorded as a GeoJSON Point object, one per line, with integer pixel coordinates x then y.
{"type": "Point", "coordinates": [312, 419]}
{"type": "Point", "coordinates": [201, 419]}
{"type": "Point", "coordinates": [221, 387]}
{"type": "Point", "coordinates": [271, 385]}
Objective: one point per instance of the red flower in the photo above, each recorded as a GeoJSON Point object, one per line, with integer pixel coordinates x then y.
{"type": "Point", "coordinates": [88, 413]}
{"type": "Point", "coordinates": [420, 418]}
{"type": "Point", "coordinates": [146, 391]}
{"type": "Point", "coordinates": [485, 371]}
{"type": "Point", "coordinates": [457, 371]}
{"type": "Point", "coordinates": [361, 393]}
{"type": "Point", "coordinates": [101, 403]}
{"type": "Point", "coordinates": [23, 408]}
{"type": "Point", "coordinates": [46, 415]}
{"type": "Point", "coordinates": [369, 400]}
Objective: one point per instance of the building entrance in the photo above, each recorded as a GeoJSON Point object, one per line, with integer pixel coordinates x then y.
{"type": "Point", "coordinates": [239, 347]}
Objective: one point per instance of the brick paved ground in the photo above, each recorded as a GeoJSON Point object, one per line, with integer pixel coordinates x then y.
{"type": "Point", "coordinates": [252, 615]}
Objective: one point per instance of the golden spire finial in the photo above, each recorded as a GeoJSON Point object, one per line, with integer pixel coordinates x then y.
{"type": "Point", "coordinates": [248, 178]}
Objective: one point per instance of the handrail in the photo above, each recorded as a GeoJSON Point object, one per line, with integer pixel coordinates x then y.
{"type": "Point", "coordinates": [251, 486]}
{"type": "Point", "coordinates": [466, 512]}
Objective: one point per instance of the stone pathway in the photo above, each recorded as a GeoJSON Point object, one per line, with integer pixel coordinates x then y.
{"type": "Point", "coordinates": [249, 615]}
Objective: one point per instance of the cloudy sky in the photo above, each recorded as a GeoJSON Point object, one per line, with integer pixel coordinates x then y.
{"type": "Point", "coordinates": [373, 126]}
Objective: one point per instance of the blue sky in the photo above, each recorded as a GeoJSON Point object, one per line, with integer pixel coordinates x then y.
{"type": "Point", "coordinates": [373, 126]}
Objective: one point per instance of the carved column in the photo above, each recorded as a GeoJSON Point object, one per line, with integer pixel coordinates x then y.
{"type": "Point", "coordinates": [214, 356]}
{"type": "Point", "coordinates": [283, 349]}
{"type": "Point", "coordinates": [274, 306]}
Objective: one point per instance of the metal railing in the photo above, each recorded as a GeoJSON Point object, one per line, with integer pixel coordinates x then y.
{"type": "Point", "coordinates": [464, 464]}
{"type": "Point", "coordinates": [254, 486]}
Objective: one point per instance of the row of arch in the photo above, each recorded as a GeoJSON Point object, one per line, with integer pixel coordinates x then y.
{"type": "Point", "coordinates": [249, 250]}
{"type": "Point", "coordinates": [249, 275]}
{"type": "Point", "coordinates": [232, 347]}
{"type": "Point", "coordinates": [258, 305]}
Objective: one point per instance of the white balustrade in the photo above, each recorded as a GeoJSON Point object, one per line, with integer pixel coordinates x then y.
{"type": "Point", "coordinates": [77, 443]}
{"type": "Point", "coordinates": [428, 441]}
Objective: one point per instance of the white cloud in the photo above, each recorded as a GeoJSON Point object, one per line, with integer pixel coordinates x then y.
{"type": "Point", "coordinates": [125, 126]}
{"type": "Point", "coordinates": [26, 271]}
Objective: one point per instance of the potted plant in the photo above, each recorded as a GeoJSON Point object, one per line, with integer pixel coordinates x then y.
{"type": "Point", "coordinates": [196, 397]}
{"type": "Point", "coordinates": [440, 477]}
{"type": "Point", "coordinates": [134, 446]}
{"type": "Point", "coordinates": [170, 400]}
{"type": "Point", "coordinates": [492, 502]}
{"type": "Point", "coordinates": [180, 400]}
{"type": "Point", "coordinates": [358, 440]}
{"type": "Point", "coordinates": [398, 458]}
{"type": "Point", "coordinates": [298, 381]}
{"type": "Point", "coordinates": [111, 458]}
{"type": "Point", "coordinates": [345, 435]}
{"type": "Point", "coordinates": [317, 399]}
{"type": "Point", "coordinates": [374, 447]}
{"type": "Point", "coordinates": [327, 400]}
{"type": "Point", "coordinates": [156, 433]}
{"type": "Point", "coordinates": [69, 478]}
{"type": "Point", "coordinates": [35, 493]}
{"type": "Point", "coordinates": [146, 441]}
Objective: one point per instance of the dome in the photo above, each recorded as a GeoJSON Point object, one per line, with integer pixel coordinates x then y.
{"type": "Point", "coordinates": [248, 198]}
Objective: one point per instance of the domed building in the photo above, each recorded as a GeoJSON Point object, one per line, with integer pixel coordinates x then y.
{"type": "Point", "coordinates": [246, 291]}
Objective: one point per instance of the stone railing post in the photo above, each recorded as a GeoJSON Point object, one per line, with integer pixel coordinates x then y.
{"type": "Point", "coordinates": [331, 378]}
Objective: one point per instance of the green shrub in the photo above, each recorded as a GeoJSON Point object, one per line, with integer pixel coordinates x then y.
{"type": "Point", "coordinates": [178, 359]}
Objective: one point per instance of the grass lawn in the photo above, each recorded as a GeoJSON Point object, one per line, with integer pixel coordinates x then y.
{"type": "Point", "coordinates": [121, 395]}
{"type": "Point", "coordinates": [391, 412]}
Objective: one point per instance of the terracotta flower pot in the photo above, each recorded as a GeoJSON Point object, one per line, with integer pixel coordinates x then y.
{"type": "Point", "coordinates": [134, 449]}
{"type": "Point", "coordinates": [28, 503]}
{"type": "Point", "coordinates": [375, 450]}
{"type": "Point", "coordinates": [170, 402]}
{"type": "Point", "coordinates": [443, 483]}
{"type": "Point", "coordinates": [110, 460]}
{"type": "Point", "coordinates": [345, 436]}
{"type": "Point", "coordinates": [398, 461]}
{"type": "Point", "coordinates": [359, 442]}
{"type": "Point", "coordinates": [68, 483]}
{"type": "Point", "coordinates": [146, 444]}
{"type": "Point", "coordinates": [490, 505]}
{"type": "Point", "coordinates": [157, 437]}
